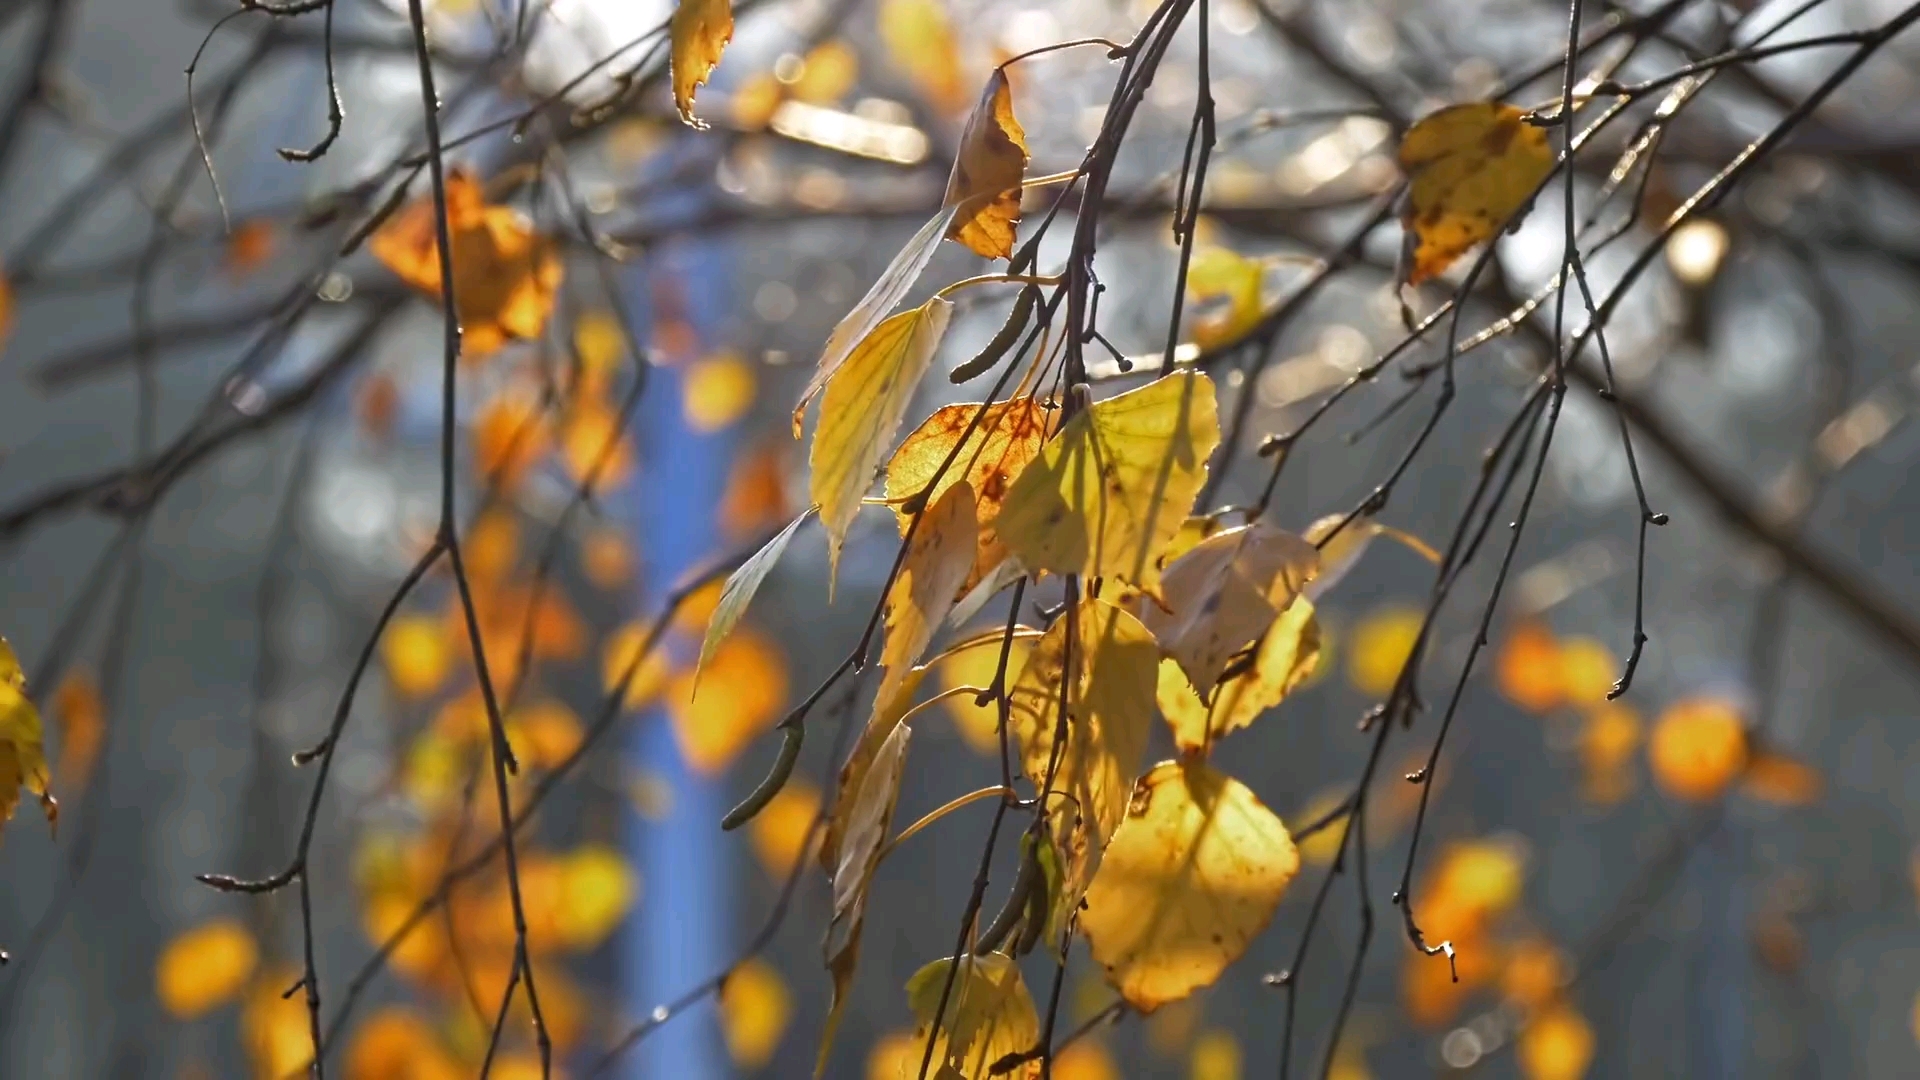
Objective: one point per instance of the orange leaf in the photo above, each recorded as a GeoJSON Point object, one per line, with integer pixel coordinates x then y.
{"type": "Point", "coordinates": [396, 1044]}
{"type": "Point", "coordinates": [82, 718]}
{"type": "Point", "coordinates": [744, 691]}
{"type": "Point", "coordinates": [1699, 746]}
{"type": "Point", "coordinates": [987, 171]}
{"type": "Point", "coordinates": [1528, 668]}
{"type": "Point", "coordinates": [1008, 436]}
{"type": "Point", "coordinates": [204, 968]}
{"type": "Point", "coordinates": [511, 433]}
{"type": "Point", "coordinates": [249, 247]}
{"type": "Point", "coordinates": [1777, 778]}
{"type": "Point", "coordinates": [780, 832]}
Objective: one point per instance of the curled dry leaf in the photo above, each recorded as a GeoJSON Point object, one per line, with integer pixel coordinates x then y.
{"type": "Point", "coordinates": [989, 1015]}
{"type": "Point", "coordinates": [1223, 593]}
{"type": "Point", "coordinates": [984, 188]}
{"type": "Point", "coordinates": [938, 559]}
{"type": "Point", "coordinates": [992, 453]}
{"type": "Point", "coordinates": [1285, 657]}
{"type": "Point", "coordinates": [1193, 874]}
{"type": "Point", "coordinates": [868, 817]}
{"type": "Point", "coordinates": [1106, 495]}
{"type": "Point", "coordinates": [1470, 169]}
{"type": "Point", "coordinates": [698, 33]}
{"type": "Point", "coordinates": [1108, 696]}
{"type": "Point", "coordinates": [888, 710]}
{"type": "Point", "coordinates": [862, 408]}
{"type": "Point", "coordinates": [22, 760]}
{"type": "Point", "coordinates": [505, 275]}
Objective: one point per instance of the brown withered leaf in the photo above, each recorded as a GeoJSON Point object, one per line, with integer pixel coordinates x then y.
{"type": "Point", "coordinates": [1008, 436]}
{"type": "Point", "coordinates": [985, 184]}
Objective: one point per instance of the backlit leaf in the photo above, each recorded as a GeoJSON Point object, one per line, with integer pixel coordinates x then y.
{"type": "Point", "coordinates": [939, 556]}
{"type": "Point", "coordinates": [869, 817]}
{"type": "Point", "coordinates": [862, 408]}
{"type": "Point", "coordinates": [1527, 668]}
{"type": "Point", "coordinates": [1382, 644]}
{"type": "Point", "coordinates": [204, 968]}
{"type": "Point", "coordinates": [888, 710]}
{"type": "Point", "coordinates": [989, 1015]}
{"type": "Point", "coordinates": [1283, 660]}
{"type": "Point", "coordinates": [417, 654]}
{"type": "Point", "coordinates": [745, 693]}
{"type": "Point", "coordinates": [594, 445]}
{"type": "Point", "coordinates": [22, 761]}
{"type": "Point", "coordinates": [756, 495]}
{"type": "Point", "coordinates": [505, 275]}
{"type": "Point", "coordinates": [754, 1009]}
{"type": "Point", "coordinates": [698, 32]}
{"type": "Point", "coordinates": [1008, 435]}
{"type": "Point", "coordinates": [1215, 1056]}
{"type": "Point", "coordinates": [853, 330]}
{"type": "Point", "coordinates": [398, 1044]}
{"type": "Point", "coordinates": [988, 167]}
{"type": "Point", "coordinates": [619, 657]}
{"type": "Point", "coordinates": [1112, 488]}
{"type": "Point", "coordinates": [920, 40]}
{"type": "Point", "coordinates": [491, 546]}
{"type": "Point", "coordinates": [1587, 670]}
{"type": "Point", "coordinates": [1223, 594]}
{"type": "Point", "coordinates": [596, 889]}
{"type": "Point", "coordinates": [1536, 971]}
{"type": "Point", "coordinates": [1470, 169]}
{"type": "Point", "coordinates": [1698, 747]}
{"type": "Point", "coordinates": [511, 433]}
{"type": "Point", "coordinates": [895, 1056]}
{"type": "Point", "coordinates": [274, 1027]}
{"type": "Point", "coordinates": [1341, 550]}
{"type": "Point", "coordinates": [975, 664]}
{"type": "Point", "coordinates": [1109, 699]}
{"type": "Point", "coordinates": [738, 593]}
{"type": "Point", "coordinates": [1217, 273]}
{"type": "Point", "coordinates": [716, 392]}
{"type": "Point", "coordinates": [1192, 876]}
{"type": "Point", "coordinates": [1087, 1059]}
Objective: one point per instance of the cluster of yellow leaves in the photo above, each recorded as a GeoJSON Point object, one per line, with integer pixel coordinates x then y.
{"type": "Point", "coordinates": [22, 762]}
{"type": "Point", "coordinates": [1470, 170]}
{"type": "Point", "coordinates": [505, 275]}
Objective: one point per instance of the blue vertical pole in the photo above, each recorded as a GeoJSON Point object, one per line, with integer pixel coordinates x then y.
{"type": "Point", "coordinates": [682, 931]}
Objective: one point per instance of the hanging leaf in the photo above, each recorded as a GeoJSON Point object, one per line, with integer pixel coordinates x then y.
{"type": "Point", "coordinates": [989, 1015]}
{"type": "Point", "coordinates": [274, 1028]}
{"type": "Point", "coordinates": [505, 275]}
{"type": "Point", "coordinates": [781, 830]}
{"type": "Point", "coordinates": [511, 433]}
{"type": "Point", "coordinates": [738, 593]}
{"type": "Point", "coordinates": [862, 408]}
{"type": "Point", "coordinates": [717, 392]}
{"type": "Point", "coordinates": [595, 890]}
{"type": "Point", "coordinates": [936, 564]}
{"type": "Point", "coordinates": [754, 1009]}
{"type": "Point", "coordinates": [852, 331]}
{"type": "Point", "coordinates": [1698, 748]}
{"type": "Point", "coordinates": [698, 32]}
{"type": "Point", "coordinates": [1470, 169]}
{"type": "Point", "coordinates": [22, 761]}
{"type": "Point", "coordinates": [1217, 273]}
{"type": "Point", "coordinates": [746, 692]}
{"type": "Point", "coordinates": [417, 654]}
{"type": "Point", "coordinates": [1339, 551]}
{"type": "Point", "coordinates": [887, 713]}
{"type": "Point", "coordinates": [1382, 645]}
{"type": "Point", "coordinates": [1193, 874]}
{"type": "Point", "coordinates": [1224, 593]}
{"type": "Point", "coordinates": [1557, 1045]}
{"type": "Point", "coordinates": [1109, 713]}
{"type": "Point", "coordinates": [1007, 437]}
{"type": "Point", "coordinates": [1112, 488]}
{"type": "Point", "coordinates": [984, 188]}
{"type": "Point", "coordinates": [1610, 734]}
{"type": "Point", "coordinates": [1527, 667]}
{"type": "Point", "coordinates": [204, 968]}
{"type": "Point", "coordinates": [869, 817]}
{"type": "Point", "coordinates": [1283, 659]}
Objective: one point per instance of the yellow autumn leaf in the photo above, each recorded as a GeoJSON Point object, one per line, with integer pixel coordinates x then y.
{"type": "Point", "coordinates": [975, 664]}
{"type": "Point", "coordinates": [1224, 593]}
{"type": "Point", "coordinates": [938, 558]}
{"type": "Point", "coordinates": [1470, 168]}
{"type": "Point", "coordinates": [594, 445]}
{"type": "Point", "coordinates": [698, 33]}
{"type": "Point", "coordinates": [920, 40]}
{"type": "Point", "coordinates": [1109, 696]}
{"type": "Point", "coordinates": [989, 1015]}
{"type": "Point", "coordinates": [596, 888]}
{"type": "Point", "coordinates": [988, 167]}
{"type": "Point", "coordinates": [645, 676]}
{"type": "Point", "coordinates": [1221, 274]}
{"type": "Point", "coordinates": [1192, 875]}
{"type": "Point", "coordinates": [828, 73]}
{"type": "Point", "coordinates": [1698, 748]}
{"type": "Point", "coordinates": [545, 733]}
{"type": "Point", "coordinates": [754, 1009]}
{"type": "Point", "coordinates": [505, 275]}
{"type": "Point", "coordinates": [1109, 491]}
{"type": "Point", "coordinates": [491, 546]}
{"type": "Point", "coordinates": [1527, 667]}
{"type": "Point", "coordinates": [511, 432]}
{"type": "Point", "coordinates": [1536, 971]}
{"type": "Point", "coordinates": [744, 694]}
{"type": "Point", "coordinates": [716, 392]}
{"type": "Point", "coordinates": [868, 818]}
{"type": "Point", "coordinates": [417, 654]}
{"type": "Point", "coordinates": [204, 968]}
{"type": "Point", "coordinates": [737, 594]}
{"type": "Point", "coordinates": [601, 344]}
{"type": "Point", "coordinates": [22, 760]}
{"type": "Point", "coordinates": [896, 1056]}
{"type": "Point", "coordinates": [1344, 539]}
{"type": "Point", "coordinates": [1283, 659]}
{"type": "Point", "coordinates": [1215, 1056]}
{"type": "Point", "coordinates": [1587, 670]}
{"type": "Point", "coordinates": [864, 403]}
{"type": "Point", "coordinates": [1610, 734]}
{"type": "Point", "coordinates": [1087, 1059]}
{"type": "Point", "coordinates": [274, 1027]}
{"type": "Point", "coordinates": [1557, 1045]}
{"type": "Point", "coordinates": [1382, 644]}
{"type": "Point", "coordinates": [886, 715]}
{"type": "Point", "coordinates": [780, 832]}
{"type": "Point", "coordinates": [991, 454]}
{"type": "Point", "coordinates": [398, 1044]}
